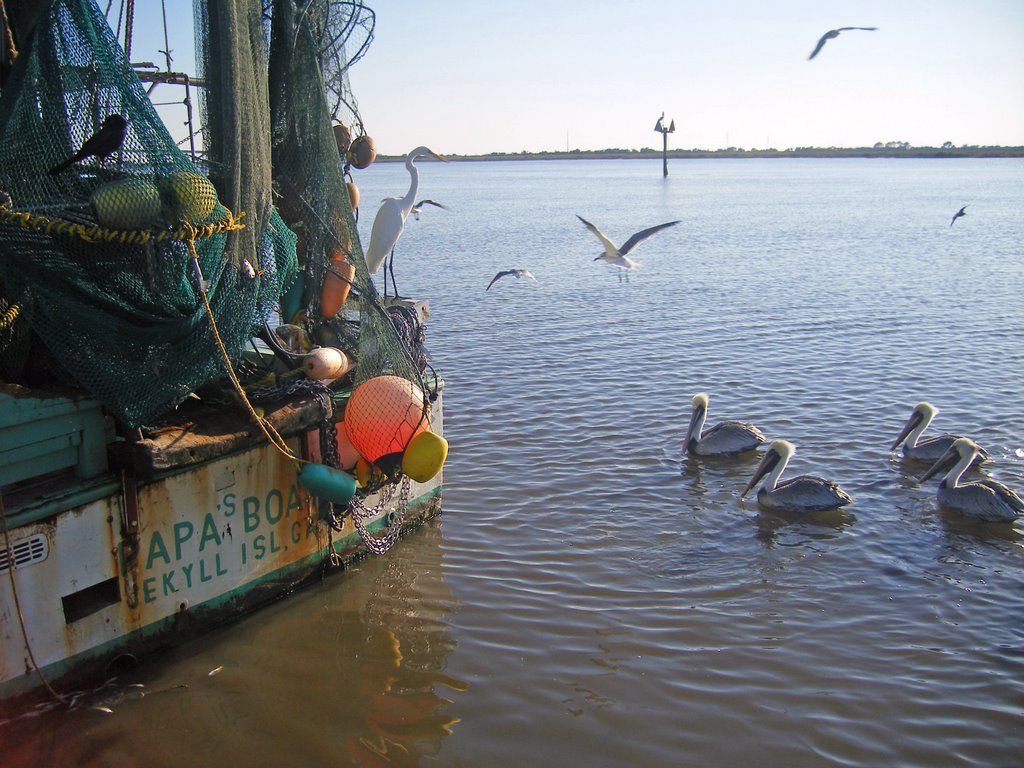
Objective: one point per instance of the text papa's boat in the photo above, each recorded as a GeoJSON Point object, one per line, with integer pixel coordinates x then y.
{"type": "Point", "coordinates": [171, 453]}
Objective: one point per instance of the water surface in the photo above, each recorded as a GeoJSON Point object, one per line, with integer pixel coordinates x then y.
{"type": "Point", "coordinates": [591, 597]}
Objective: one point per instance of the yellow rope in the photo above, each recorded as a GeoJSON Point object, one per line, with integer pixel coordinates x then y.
{"type": "Point", "coordinates": [94, 234]}
{"type": "Point", "coordinates": [265, 426]}
{"type": "Point", "coordinates": [8, 318]}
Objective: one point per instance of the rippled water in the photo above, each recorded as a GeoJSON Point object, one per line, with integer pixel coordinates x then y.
{"type": "Point", "coordinates": [591, 597]}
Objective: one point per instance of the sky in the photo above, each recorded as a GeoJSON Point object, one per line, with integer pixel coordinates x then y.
{"type": "Point", "coordinates": [474, 77]}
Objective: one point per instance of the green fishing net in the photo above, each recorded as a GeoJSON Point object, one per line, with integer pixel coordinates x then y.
{"type": "Point", "coordinates": [102, 253]}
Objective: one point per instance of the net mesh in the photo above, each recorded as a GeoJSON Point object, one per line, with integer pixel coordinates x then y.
{"type": "Point", "coordinates": [120, 313]}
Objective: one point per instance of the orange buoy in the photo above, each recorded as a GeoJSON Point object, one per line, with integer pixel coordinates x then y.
{"type": "Point", "coordinates": [342, 137]}
{"type": "Point", "coordinates": [334, 292]}
{"type": "Point", "coordinates": [383, 415]}
{"type": "Point", "coordinates": [362, 152]}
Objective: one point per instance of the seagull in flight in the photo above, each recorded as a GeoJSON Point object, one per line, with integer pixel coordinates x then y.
{"type": "Point", "coordinates": [416, 208]}
{"type": "Point", "coordinates": [834, 33]}
{"type": "Point", "coordinates": [958, 214]}
{"type": "Point", "coordinates": [518, 272]}
{"type": "Point", "coordinates": [618, 257]}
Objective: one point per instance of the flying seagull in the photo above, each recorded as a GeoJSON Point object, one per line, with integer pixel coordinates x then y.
{"type": "Point", "coordinates": [519, 272]}
{"type": "Point", "coordinates": [618, 257]}
{"type": "Point", "coordinates": [958, 214]}
{"type": "Point", "coordinates": [416, 208]}
{"type": "Point", "coordinates": [834, 33]}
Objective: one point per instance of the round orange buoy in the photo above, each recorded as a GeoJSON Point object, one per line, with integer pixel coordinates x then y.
{"type": "Point", "coordinates": [362, 152]}
{"type": "Point", "coordinates": [353, 194]}
{"type": "Point", "coordinates": [342, 137]}
{"type": "Point", "coordinates": [335, 288]}
{"type": "Point", "coordinates": [383, 415]}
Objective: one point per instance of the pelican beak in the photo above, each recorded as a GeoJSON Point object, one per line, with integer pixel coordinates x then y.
{"type": "Point", "coordinates": [912, 422]}
{"type": "Point", "coordinates": [697, 414]}
{"type": "Point", "coordinates": [771, 458]}
{"type": "Point", "coordinates": [945, 462]}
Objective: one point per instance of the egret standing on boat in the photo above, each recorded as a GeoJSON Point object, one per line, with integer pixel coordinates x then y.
{"type": "Point", "coordinates": [617, 256]}
{"type": "Point", "coordinates": [805, 493]}
{"type": "Point", "coordinates": [985, 499]}
{"type": "Point", "coordinates": [930, 449]}
{"type": "Point", "coordinates": [390, 220]}
{"type": "Point", "coordinates": [727, 438]}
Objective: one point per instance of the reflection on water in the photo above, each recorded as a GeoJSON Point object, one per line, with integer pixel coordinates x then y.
{"type": "Point", "coordinates": [350, 672]}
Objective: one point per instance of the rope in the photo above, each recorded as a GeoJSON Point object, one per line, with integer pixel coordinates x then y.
{"type": "Point", "coordinates": [95, 234]}
{"type": "Point", "coordinates": [11, 315]}
{"type": "Point", "coordinates": [265, 426]}
{"type": "Point", "coordinates": [17, 603]}
{"type": "Point", "coordinates": [12, 51]}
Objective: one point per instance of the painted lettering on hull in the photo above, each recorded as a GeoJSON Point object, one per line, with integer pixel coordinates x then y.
{"type": "Point", "coordinates": [242, 532]}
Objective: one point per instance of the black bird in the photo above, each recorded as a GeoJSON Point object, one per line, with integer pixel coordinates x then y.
{"type": "Point", "coordinates": [101, 144]}
{"type": "Point", "coordinates": [519, 272]}
{"type": "Point", "coordinates": [958, 214]}
{"type": "Point", "coordinates": [834, 33]}
{"type": "Point", "coordinates": [415, 210]}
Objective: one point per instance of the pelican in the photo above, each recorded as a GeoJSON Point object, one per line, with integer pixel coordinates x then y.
{"type": "Point", "coordinates": [834, 33]}
{"type": "Point", "coordinates": [518, 272]}
{"type": "Point", "coordinates": [805, 493]}
{"type": "Point", "coordinates": [617, 257]}
{"type": "Point", "coordinates": [985, 499]}
{"type": "Point", "coordinates": [958, 214]}
{"type": "Point", "coordinates": [415, 210]}
{"type": "Point", "coordinates": [930, 449]}
{"type": "Point", "coordinates": [390, 219]}
{"type": "Point", "coordinates": [724, 439]}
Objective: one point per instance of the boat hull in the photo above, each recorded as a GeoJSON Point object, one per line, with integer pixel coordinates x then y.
{"type": "Point", "coordinates": [125, 567]}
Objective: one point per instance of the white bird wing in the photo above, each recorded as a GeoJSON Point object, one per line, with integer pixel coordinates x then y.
{"type": "Point", "coordinates": [609, 246]}
{"type": "Point", "coordinates": [642, 235]}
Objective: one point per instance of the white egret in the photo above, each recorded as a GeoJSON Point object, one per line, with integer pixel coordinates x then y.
{"type": "Point", "coordinates": [724, 439]}
{"type": "Point", "coordinates": [984, 499]}
{"type": "Point", "coordinates": [805, 493]}
{"type": "Point", "coordinates": [834, 33]}
{"type": "Point", "coordinates": [518, 272]}
{"type": "Point", "coordinates": [617, 257]}
{"type": "Point", "coordinates": [927, 450]}
{"type": "Point", "coordinates": [390, 220]}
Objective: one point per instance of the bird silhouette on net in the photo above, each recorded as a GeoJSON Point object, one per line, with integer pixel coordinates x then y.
{"type": "Point", "coordinates": [102, 144]}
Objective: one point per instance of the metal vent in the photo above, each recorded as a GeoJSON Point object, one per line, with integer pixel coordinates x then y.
{"type": "Point", "coordinates": [25, 552]}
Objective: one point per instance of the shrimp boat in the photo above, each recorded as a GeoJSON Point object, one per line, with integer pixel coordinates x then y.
{"type": "Point", "coordinates": [204, 403]}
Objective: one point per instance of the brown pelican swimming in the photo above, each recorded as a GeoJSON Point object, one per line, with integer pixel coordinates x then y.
{"type": "Point", "coordinates": [724, 439]}
{"type": "Point", "coordinates": [617, 257]}
{"type": "Point", "coordinates": [930, 449]}
{"type": "Point", "coordinates": [834, 33]}
{"type": "Point", "coordinates": [517, 272]}
{"type": "Point", "coordinates": [985, 499]}
{"type": "Point", "coordinates": [805, 493]}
